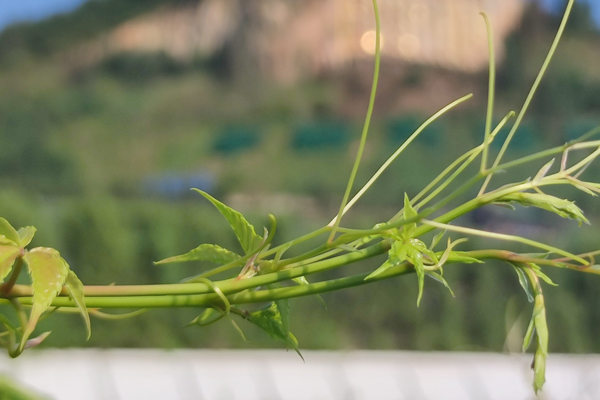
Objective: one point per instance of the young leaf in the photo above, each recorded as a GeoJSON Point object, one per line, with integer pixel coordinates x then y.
{"type": "Point", "coordinates": [409, 212]}
{"type": "Point", "coordinates": [397, 253]}
{"type": "Point", "coordinates": [208, 316]}
{"type": "Point", "coordinates": [37, 340]}
{"type": "Point", "coordinates": [204, 252]}
{"type": "Point", "coordinates": [529, 335]}
{"type": "Point", "coordinates": [440, 278]}
{"type": "Point", "coordinates": [48, 274]}
{"type": "Point", "coordinates": [386, 264]}
{"type": "Point", "coordinates": [538, 271]}
{"type": "Point", "coordinates": [542, 172]}
{"type": "Point", "coordinates": [8, 255]}
{"type": "Point", "coordinates": [26, 235]}
{"type": "Point", "coordinates": [301, 280]}
{"type": "Point", "coordinates": [561, 207]}
{"type": "Point", "coordinates": [416, 258]}
{"type": "Point", "coordinates": [437, 238]}
{"type": "Point", "coordinates": [524, 283]}
{"type": "Point", "coordinates": [7, 230]}
{"type": "Point", "coordinates": [75, 290]}
{"type": "Point", "coordinates": [283, 306]}
{"type": "Point", "coordinates": [245, 233]}
{"type": "Point", "coordinates": [269, 320]}
{"type": "Point", "coordinates": [462, 257]}
{"type": "Point", "coordinates": [541, 353]}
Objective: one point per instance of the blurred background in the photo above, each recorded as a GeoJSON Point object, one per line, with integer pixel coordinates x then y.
{"type": "Point", "coordinates": [110, 110]}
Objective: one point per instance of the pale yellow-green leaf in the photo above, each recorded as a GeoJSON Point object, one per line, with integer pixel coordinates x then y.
{"type": "Point", "coordinates": [7, 230]}
{"type": "Point", "coordinates": [26, 234]}
{"type": "Point", "coordinates": [48, 274]}
{"type": "Point", "coordinates": [8, 255]}
{"type": "Point", "coordinates": [76, 294]}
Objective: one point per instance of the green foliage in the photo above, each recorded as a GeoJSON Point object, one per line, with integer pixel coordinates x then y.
{"type": "Point", "coordinates": [76, 294]}
{"type": "Point", "coordinates": [266, 277]}
{"type": "Point", "coordinates": [244, 231]}
{"type": "Point", "coordinates": [275, 323]}
{"type": "Point", "coordinates": [204, 252]}
{"type": "Point", "coordinates": [48, 274]}
{"type": "Point", "coordinates": [561, 207]}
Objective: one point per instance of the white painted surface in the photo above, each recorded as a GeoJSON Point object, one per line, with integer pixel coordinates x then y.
{"type": "Point", "coordinates": [280, 375]}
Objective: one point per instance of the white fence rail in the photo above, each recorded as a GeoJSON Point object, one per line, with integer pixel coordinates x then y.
{"type": "Point", "coordinates": [275, 375]}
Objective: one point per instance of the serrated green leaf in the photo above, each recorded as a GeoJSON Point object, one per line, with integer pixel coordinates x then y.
{"type": "Point", "coordinates": [204, 252]}
{"type": "Point", "coordinates": [524, 283]}
{"type": "Point", "coordinates": [8, 231]}
{"type": "Point", "coordinates": [8, 255]}
{"type": "Point", "coordinates": [26, 234]}
{"type": "Point", "coordinates": [561, 207]}
{"type": "Point", "coordinates": [245, 233]}
{"type": "Point", "coordinates": [269, 320]}
{"type": "Point", "coordinates": [283, 306]}
{"type": "Point", "coordinates": [48, 274]}
{"type": "Point", "coordinates": [76, 294]}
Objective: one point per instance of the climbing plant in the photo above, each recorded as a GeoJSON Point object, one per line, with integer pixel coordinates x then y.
{"type": "Point", "coordinates": [256, 283]}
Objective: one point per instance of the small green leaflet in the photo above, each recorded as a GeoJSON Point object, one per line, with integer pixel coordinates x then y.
{"type": "Point", "coordinates": [283, 306]}
{"type": "Point", "coordinates": [561, 207]}
{"type": "Point", "coordinates": [245, 233]}
{"type": "Point", "coordinates": [524, 284]}
{"type": "Point", "coordinates": [541, 353]}
{"type": "Point", "coordinates": [48, 274]}
{"type": "Point", "coordinates": [204, 252]}
{"type": "Point", "coordinates": [538, 271]}
{"type": "Point", "coordinates": [26, 234]}
{"type": "Point", "coordinates": [438, 277]}
{"type": "Point", "coordinates": [416, 258]}
{"type": "Point", "coordinates": [409, 213]}
{"type": "Point", "coordinates": [542, 172]}
{"type": "Point", "coordinates": [208, 316]}
{"type": "Point", "coordinates": [386, 264]}
{"type": "Point", "coordinates": [462, 257]}
{"type": "Point", "coordinates": [436, 239]}
{"type": "Point", "coordinates": [75, 290]}
{"type": "Point", "coordinates": [8, 255]}
{"type": "Point", "coordinates": [8, 232]}
{"type": "Point", "coordinates": [269, 319]}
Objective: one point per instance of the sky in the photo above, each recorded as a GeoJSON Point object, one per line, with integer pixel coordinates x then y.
{"type": "Point", "coordinates": [12, 11]}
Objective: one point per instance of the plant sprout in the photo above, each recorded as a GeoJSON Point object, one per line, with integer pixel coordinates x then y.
{"type": "Point", "coordinates": [263, 275]}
